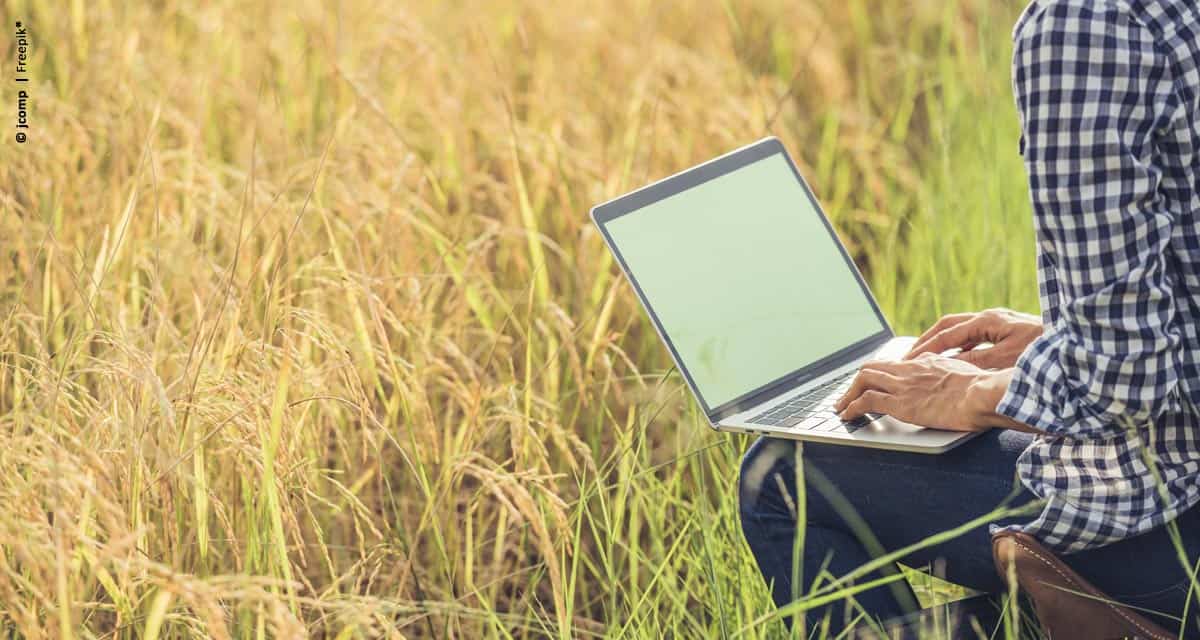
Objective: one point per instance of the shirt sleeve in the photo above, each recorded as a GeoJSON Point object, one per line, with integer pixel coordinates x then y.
{"type": "Point", "coordinates": [1095, 94]}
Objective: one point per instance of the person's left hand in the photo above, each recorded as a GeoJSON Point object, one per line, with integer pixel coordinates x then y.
{"type": "Point", "coordinates": [929, 390]}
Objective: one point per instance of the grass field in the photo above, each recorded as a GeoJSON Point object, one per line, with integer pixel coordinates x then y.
{"type": "Point", "coordinates": [304, 329]}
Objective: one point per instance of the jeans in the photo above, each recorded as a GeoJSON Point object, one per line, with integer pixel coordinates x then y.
{"type": "Point", "coordinates": [861, 503]}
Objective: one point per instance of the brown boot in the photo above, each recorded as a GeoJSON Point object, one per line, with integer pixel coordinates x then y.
{"type": "Point", "coordinates": [1068, 607]}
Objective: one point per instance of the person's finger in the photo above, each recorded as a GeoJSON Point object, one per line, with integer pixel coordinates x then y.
{"type": "Point", "coordinates": [870, 402]}
{"type": "Point", "coordinates": [945, 322]}
{"type": "Point", "coordinates": [970, 332]}
{"type": "Point", "coordinates": [866, 380]}
{"type": "Point", "coordinates": [976, 357]}
{"type": "Point", "coordinates": [985, 358]}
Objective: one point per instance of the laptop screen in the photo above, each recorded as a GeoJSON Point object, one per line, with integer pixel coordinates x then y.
{"type": "Point", "coordinates": [745, 279]}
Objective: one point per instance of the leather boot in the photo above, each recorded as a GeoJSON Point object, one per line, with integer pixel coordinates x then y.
{"type": "Point", "coordinates": [1068, 607]}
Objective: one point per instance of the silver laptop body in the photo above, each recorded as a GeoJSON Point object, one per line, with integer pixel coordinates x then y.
{"type": "Point", "coordinates": [763, 310]}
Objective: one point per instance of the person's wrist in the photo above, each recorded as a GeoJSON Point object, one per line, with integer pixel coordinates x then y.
{"type": "Point", "coordinates": [983, 397]}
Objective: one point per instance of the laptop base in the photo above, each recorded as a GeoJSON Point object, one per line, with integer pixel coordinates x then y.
{"type": "Point", "coordinates": [876, 432]}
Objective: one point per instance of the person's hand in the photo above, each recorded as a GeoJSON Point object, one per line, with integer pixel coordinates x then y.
{"type": "Point", "coordinates": [1009, 332]}
{"type": "Point", "coordinates": [931, 391]}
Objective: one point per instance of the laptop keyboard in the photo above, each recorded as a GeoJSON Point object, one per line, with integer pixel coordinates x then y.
{"type": "Point", "coordinates": [813, 409]}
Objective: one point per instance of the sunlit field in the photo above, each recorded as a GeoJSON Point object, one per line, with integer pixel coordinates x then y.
{"type": "Point", "coordinates": [304, 329]}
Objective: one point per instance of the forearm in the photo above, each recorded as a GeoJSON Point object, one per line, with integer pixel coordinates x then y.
{"type": "Point", "coordinates": [984, 395]}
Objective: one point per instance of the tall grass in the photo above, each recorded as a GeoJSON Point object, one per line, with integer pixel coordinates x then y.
{"type": "Point", "coordinates": [303, 329]}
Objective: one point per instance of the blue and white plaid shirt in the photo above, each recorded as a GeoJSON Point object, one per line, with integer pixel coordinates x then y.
{"type": "Point", "coordinates": [1109, 96]}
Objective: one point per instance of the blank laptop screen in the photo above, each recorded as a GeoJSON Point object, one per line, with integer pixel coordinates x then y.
{"type": "Point", "coordinates": [745, 278]}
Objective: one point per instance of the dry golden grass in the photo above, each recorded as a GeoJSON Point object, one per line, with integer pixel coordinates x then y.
{"type": "Point", "coordinates": [304, 329]}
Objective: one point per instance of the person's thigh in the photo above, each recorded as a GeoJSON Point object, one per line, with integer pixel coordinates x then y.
{"type": "Point", "coordinates": [891, 499]}
{"type": "Point", "coordinates": [1147, 572]}
{"type": "Point", "coordinates": [897, 499]}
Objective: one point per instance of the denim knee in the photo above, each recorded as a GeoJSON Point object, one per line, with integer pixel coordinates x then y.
{"type": "Point", "coordinates": [755, 488]}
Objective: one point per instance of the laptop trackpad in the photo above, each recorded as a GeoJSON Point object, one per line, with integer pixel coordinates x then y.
{"type": "Point", "coordinates": [891, 430]}
{"type": "Point", "coordinates": [887, 425]}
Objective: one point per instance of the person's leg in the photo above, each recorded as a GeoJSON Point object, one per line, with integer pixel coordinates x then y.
{"type": "Point", "coordinates": [903, 498]}
{"type": "Point", "coordinates": [1147, 573]}
{"type": "Point", "coordinates": [862, 502]}
{"type": "Point", "coordinates": [769, 513]}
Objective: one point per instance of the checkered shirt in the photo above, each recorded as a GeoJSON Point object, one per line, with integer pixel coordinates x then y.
{"type": "Point", "coordinates": [1108, 94]}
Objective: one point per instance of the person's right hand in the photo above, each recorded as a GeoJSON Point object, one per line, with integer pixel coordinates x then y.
{"type": "Point", "coordinates": [1008, 331]}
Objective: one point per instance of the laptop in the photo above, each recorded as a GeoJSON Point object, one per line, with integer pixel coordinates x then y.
{"type": "Point", "coordinates": [756, 298]}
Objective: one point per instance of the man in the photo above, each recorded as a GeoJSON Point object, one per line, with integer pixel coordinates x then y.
{"type": "Point", "coordinates": [1094, 406]}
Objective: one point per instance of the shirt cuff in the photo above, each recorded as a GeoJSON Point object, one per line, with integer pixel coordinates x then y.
{"type": "Point", "coordinates": [1040, 396]}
